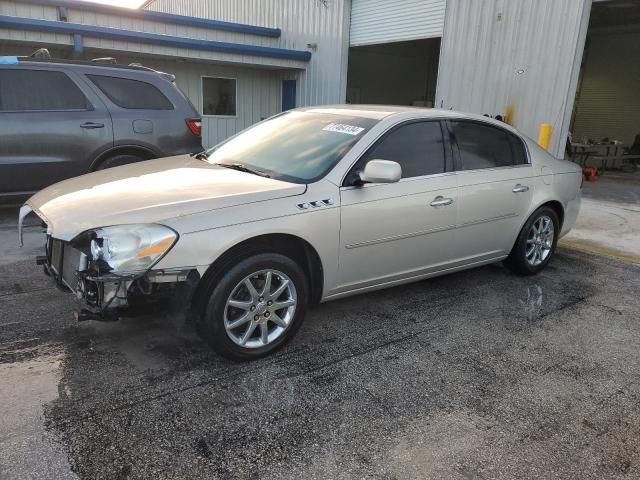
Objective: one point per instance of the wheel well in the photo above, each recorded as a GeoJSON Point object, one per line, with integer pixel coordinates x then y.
{"type": "Point", "coordinates": [558, 208]}
{"type": "Point", "coordinates": [291, 246]}
{"type": "Point", "coordinates": [138, 151]}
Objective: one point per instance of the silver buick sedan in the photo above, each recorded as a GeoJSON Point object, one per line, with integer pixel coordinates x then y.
{"type": "Point", "coordinates": [308, 206]}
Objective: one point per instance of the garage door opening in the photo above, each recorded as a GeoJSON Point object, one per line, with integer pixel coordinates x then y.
{"type": "Point", "coordinates": [401, 73]}
{"type": "Point", "coordinates": [605, 128]}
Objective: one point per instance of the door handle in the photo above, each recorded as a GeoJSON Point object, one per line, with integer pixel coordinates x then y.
{"type": "Point", "coordinates": [91, 125]}
{"type": "Point", "coordinates": [440, 201]}
{"type": "Point", "coordinates": [520, 189]}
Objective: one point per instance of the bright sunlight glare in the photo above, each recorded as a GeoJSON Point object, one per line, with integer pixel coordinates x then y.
{"type": "Point", "coordinates": [120, 3]}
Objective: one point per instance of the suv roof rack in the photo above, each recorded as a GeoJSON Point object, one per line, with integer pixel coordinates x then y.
{"type": "Point", "coordinates": [109, 60]}
{"type": "Point", "coordinates": [43, 55]}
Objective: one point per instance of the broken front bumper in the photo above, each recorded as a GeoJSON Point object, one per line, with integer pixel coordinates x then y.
{"type": "Point", "coordinates": [103, 296]}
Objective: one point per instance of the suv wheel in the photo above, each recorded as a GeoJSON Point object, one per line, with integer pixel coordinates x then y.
{"type": "Point", "coordinates": [256, 307]}
{"type": "Point", "coordinates": [536, 243]}
{"type": "Point", "coordinates": [118, 160]}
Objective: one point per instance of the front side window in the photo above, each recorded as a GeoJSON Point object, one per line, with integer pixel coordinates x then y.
{"type": "Point", "coordinates": [38, 91]}
{"type": "Point", "coordinates": [483, 146]}
{"type": "Point", "coordinates": [219, 96]}
{"type": "Point", "coordinates": [295, 146]}
{"type": "Point", "coordinates": [418, 147]}
{"type": "Point", "coordinates": [131, 94]}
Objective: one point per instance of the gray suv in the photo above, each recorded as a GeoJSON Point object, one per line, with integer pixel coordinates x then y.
{"type": "Point", "coordinates": [60, 119]}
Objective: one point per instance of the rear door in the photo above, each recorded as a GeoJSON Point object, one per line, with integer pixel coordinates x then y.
{"type": "Point", "coordinates": [144, 115]}
{"type": "Point", "coordinates": [496, 188]}
{"type": "Point", "coordinates": [399, 230]}
{"type": "Point", "coordinates": [51, 128]}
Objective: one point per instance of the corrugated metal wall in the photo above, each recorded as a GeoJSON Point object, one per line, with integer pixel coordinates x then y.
{"type": "Point", "coordinates": [259, 94]}
{"type": "Point", "coordinates": [609, 98]}
{"type": "Point", "coordinates": [324, 23]}
{"type": "Point", "coordinates": [514, 57]}
{"type": "Point", "coordinates": [113, 20]}
{"type": "Point", "coordinates": [384, 21]}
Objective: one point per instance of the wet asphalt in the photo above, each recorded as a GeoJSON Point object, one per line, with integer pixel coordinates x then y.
{"type": "Point", "coordinates": [480, 374]}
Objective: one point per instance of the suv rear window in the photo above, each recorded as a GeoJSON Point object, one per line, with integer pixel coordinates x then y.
{"type": "Point", "coordinates": [39, 90]}
{"type": "Point", "coordinates": [131, 94]}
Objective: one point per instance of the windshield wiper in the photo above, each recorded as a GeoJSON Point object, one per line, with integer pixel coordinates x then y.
{"type": "Point", "coordinates": [200, 155]}
{"type": "Point", "coordinates": [243, 168]}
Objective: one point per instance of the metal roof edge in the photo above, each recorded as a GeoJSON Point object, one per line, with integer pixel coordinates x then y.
{"type": "Point", "coordinates": [153, 38]}
{"type": "Point", "coordinates": [162, 17]}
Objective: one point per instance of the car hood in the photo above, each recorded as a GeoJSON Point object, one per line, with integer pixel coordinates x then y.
{"type": "Point", "coordinates": [150, 192]}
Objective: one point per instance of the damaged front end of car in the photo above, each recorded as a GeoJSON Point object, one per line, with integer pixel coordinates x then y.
{"type": "Point", "coordinates": [110, 270]}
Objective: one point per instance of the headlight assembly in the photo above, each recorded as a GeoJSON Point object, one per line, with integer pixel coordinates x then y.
{"type": "Point", "coordinates": [130, 249]}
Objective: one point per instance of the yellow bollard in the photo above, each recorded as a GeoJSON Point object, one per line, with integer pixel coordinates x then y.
{"type": "Point", "coordinates": [544, 135]}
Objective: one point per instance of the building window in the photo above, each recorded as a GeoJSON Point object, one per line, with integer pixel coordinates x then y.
{"type": "Point", "coordinates": [219, 96]}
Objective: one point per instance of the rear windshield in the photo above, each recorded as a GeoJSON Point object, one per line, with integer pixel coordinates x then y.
{"type": "Point", "coordinates": [299, 147]}
{"type": "Point", "coordinates": [131, 94]}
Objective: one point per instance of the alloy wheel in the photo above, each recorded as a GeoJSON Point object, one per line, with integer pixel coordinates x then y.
{"type": "Point", "coordinates": [540, 241]}
{"type": "Point", "coordinates": [260, 308]}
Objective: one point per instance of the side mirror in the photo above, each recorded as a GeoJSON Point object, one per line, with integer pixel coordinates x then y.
{"type": "Point", "coordinates": [381, 171]}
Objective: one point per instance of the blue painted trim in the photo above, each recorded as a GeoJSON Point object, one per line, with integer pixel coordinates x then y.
{"type": "Point", "coordinates": [162, 17]}
{"type": "Point", "coordinates": [154, 38]}
{"type": "Point", "coordinates": [78, 44]}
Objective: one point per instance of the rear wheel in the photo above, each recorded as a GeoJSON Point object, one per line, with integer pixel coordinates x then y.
{"type": "Point", "coordinates": [536, 243]}
{"type": "Point", "coordinates": [255, 307]}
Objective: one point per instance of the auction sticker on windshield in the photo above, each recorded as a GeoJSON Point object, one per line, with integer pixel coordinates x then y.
{"type": "Point", "coordinates": [342, 128]}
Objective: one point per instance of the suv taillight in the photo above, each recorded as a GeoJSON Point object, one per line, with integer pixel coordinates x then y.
{"type": "Point", "coordinates": [195, 125]}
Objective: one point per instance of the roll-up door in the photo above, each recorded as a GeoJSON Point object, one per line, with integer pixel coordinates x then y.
{"type": "Point", "coordinates": [386, 21]}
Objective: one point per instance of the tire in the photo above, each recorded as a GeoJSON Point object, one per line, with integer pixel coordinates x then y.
{"type": "Point", "coordinates": [118, 160]}
{"type": "Point", "coordinates": [532, 251]}
{"type": "Point", "coordinates": [230, 302]}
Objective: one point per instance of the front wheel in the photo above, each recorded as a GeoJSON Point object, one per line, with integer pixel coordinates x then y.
{"type": "Point", "coordinates": [255, 307]}
{"type": "Point", "coordinates": [536, 243]}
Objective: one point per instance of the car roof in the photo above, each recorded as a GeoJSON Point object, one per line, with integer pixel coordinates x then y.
{"type": "Point", "coordinates": [378, 112]}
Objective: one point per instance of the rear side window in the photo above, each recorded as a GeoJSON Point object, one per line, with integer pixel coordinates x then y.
{"type": "Point", "coordinates": [39, 90]}
{"type": "Point", "coordinates": [131, 94]}
{"type": "Point", "coordinates": [418, 147]}
{"type": "Point", "coordinates": [483, 146]}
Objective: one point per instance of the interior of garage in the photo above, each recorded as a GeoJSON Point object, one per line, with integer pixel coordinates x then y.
{"type": "Point", "coordinates": [399, 73]}
{"type": "Point", "coordinates": [607, 107]}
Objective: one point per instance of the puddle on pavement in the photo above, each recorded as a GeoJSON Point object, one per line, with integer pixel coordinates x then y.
{"type": "Point", "coordinates": [28, 450]}
{"type": "Point", "coordinates": [531, 301]}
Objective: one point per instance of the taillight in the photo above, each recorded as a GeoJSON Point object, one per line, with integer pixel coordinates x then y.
{"type": "Point", "coordinates": [195, 125]}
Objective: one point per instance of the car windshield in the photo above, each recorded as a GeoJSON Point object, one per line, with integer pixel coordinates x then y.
{"type": "Point", "coordinates": [299, 147]}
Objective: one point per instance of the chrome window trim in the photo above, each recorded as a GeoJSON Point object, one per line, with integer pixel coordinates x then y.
{"type": "Point", "coordinates": [387, 130]}
{"type": "Point", "coordinates": [402, 180]}
{"type": "Point", "coordinates": [456, 152]}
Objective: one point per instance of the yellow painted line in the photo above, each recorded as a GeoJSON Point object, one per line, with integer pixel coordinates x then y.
{"type": "Point", "coordinates": [583, 247]}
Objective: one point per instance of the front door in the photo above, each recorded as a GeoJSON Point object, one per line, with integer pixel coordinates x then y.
{"type": "Point", "coordinates": [399, 230]}
{"type": "Point", "coordinates": [50, 128]}
{"type": "Point", "coordinates": [496, 188]}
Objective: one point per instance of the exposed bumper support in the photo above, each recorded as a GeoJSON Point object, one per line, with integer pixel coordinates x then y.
{"type": "Point", "coordinates": [24, 211]}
